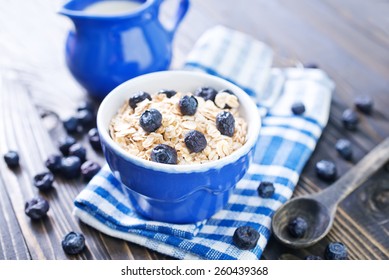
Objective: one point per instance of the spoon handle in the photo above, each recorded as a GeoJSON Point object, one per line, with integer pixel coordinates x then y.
{"type": "Point", "coordinates": [355, 177]}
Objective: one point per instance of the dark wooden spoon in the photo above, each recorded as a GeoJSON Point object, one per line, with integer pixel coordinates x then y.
{"type": "Point", "coordinates": [319, 209]}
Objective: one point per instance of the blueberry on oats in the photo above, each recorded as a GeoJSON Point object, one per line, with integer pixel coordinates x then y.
{"type": "Point", "coordinates": [150, 120]}
{"type": "Point", "coordinates": [138, 97]}
{"type": "Point", "coordinates": [208, 93]}
{"type": "Point", "coordinates": [164, 154]}
{"type": "Point", "coordinates": [225, 123]}
{"type": "Point", "coordinates": [167, 92]}
{"type": "Point", "coordinates": [188, 105]}
{"type": "Point", "coordinates": [195, 141]}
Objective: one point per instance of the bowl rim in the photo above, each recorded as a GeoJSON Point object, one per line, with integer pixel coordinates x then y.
{"type": "Point", "coordinates": [244, 98]}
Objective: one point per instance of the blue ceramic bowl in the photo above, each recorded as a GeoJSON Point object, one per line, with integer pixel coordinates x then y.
{"type": "Point", "coordinates": [176, 193]}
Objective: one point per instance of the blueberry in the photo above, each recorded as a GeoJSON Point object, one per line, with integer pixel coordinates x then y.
{"type": "Point", "coordinates": [94, 139]}
{"type": "Point", "coordinates": [266, 189]}
{"type": "Point", "coordinates": [364, 104]}
{"type": "Point", "coordinates": [313, 257]}
{"type": "Point", "coordinates": [137, 98]}
{"type": "Point", "coordinates": [298, 108]}
{"type": "Point", "coordinates": [11, 158]}
{"type": "Point", "coordinates": [164, 154]}
{"type": "Point", "coordinates": [78, 150]}
{"type": "Point", "coordinates": [195, 141]}
{"type": "Point", "coordinates": [73, 243]}
{"type": "Point", "coordinates": [86, 118]}
{"type": "Point", "coordinates": [311, 65]}
{"type": "Point", "coordinates": [343, 146]}
{"type": "Point", "coordinates": [167, 92]}
{"type": "Point", "coordinates": [70, 167]}
{"type": "Point", "coordinates": [222, 102]}
{"type": "Point", "coordinates": [89, 169]}
{"type": "Point", "coordinates": [150, 120]}
{"type": "Point", "coordinates": [245, 237]}
{"type": "Point", "coordinates": [335, 251]}
{"type": "Point", "coordinates": [297, 227]}
{"type": "Point", "coordinates": [86, 105]}
{"type": "Point", "coordinates": [71, 125]}
{"type": "Point", "coordinates": [188, 105]}
{"type": "Point", "coordinates": [53, 163]}
{"type": "Point", "coordinates": [43, 181]}
{"type": "Point", "coordinates": [350, 119]}
{"type": "Point", "coordinates": [65, 143]}
{"type": "Point", "coordinates": [326, 170]}
{"type": "Point", "coordinates": [36, 208]}
{"type": "Point", "coordinates": [207, 93]}
{"type": "Point", "coordinates": [225, 123]}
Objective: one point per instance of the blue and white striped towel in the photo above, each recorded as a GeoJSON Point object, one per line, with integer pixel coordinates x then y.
{"type": "Point", "coordinates": [285, 144]}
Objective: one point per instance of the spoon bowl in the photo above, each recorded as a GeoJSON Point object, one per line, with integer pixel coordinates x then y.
{"type": "Point", "coordinates": [319, 209]}
{"type": "Point", "coordinates": [317, 216]}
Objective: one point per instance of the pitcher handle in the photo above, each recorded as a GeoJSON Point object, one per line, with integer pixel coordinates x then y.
{"type": "Point", "coordinates": [181, 12]}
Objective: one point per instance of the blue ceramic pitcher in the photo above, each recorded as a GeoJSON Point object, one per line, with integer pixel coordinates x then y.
{"type": "Point", "coordinates": [114, 41]}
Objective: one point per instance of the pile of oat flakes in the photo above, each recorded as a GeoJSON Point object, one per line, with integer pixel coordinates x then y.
{"type": "Point", "coordinates": [126, 131]}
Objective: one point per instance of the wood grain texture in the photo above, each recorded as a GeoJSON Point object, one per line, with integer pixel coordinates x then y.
{"type": "Point", "coordinates": [349, 39]}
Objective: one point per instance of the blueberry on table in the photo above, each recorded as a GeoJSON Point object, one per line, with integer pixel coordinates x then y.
{"type": "Point", "coordinates": [326, 170]}
{"type": "Point", "coordinates": [53, 163]}
{"type": "Point", "coordinates": [11, 158]}
{"type": "Point", "coordinates": [245, 237]}
{"type": "Point", "coordinates": [150, 120]}
{"type": "Point", "coordinates": [298, 108]}
{"type": "Point", "coordinates": [208, 93]}
{"type": "Point", "coordinates": [313, 258]}
{"type": "Point", "coordinates": [364, 104]}
{"type": "Point", "coordinates": [195, 141]}
{"type": "Point", "coordinates": [94, 139]}
{"type": "Point", "coordinates": [350, 119]}
{"type": "Point", "coordinates": [73, 243]}
{"type": "Point", "coordinates": [43, 181]}
{"type": "Point", "coordinates": [335, 251]}
{"type": "Point", "coordinates": [297, 227]}
{"type": "Point", "coordinates": [266, 189]}
{"type": "Point", "coordinates": [65, 143]}
{"type": "Point", "coordinates": [70, 168]}
{"type": "Point", "coordinates": [225, 123]}
{"type": "Point", "coordinates": [89, 169]}
{"type": "Point", "coordinates": [137, 98]}
{"type": "Point", "coordinates": [86, 118]}
{"type": "Point", "coordinates": [71, 125]}
{"type": "Point", "coordinates": [167, 92]}
{"type": "Point", "coordinates": [343, 147]}
{"type": "Point", "coordinates": [78, 150]}
{"type": "Point", "coordinates": [164, 154]}
{"type": "Point", "coordinates": [188, 105]}
{"type": "Point", "coordinates": [36, 208]}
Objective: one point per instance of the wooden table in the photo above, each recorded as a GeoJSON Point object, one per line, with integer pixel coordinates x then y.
{"type": "Point", "coordinates": [349, 39]}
